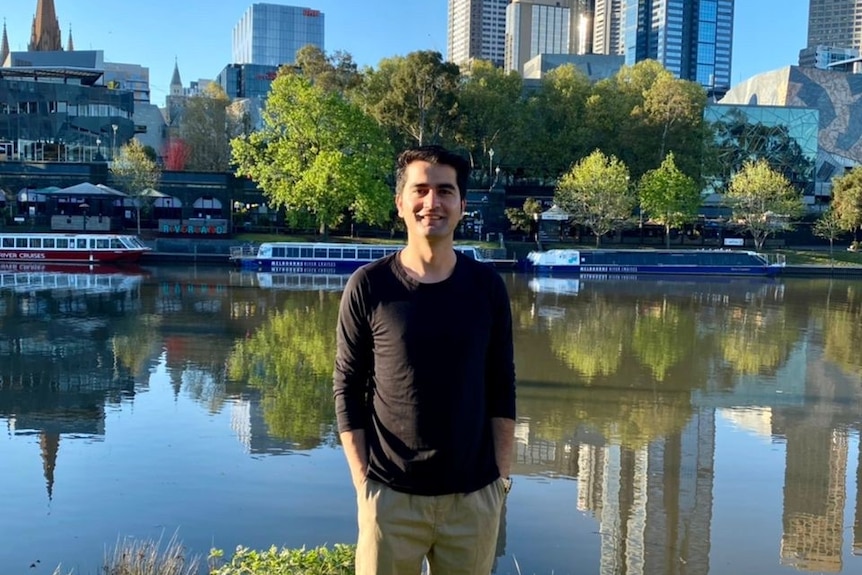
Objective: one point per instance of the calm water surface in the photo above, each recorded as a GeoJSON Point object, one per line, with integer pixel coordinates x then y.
{"type": "Point", "coordinates": [690, 427]}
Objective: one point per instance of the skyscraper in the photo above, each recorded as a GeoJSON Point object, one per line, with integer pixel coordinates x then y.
{"type": "Point", "coordinates": [607, 27]}
{"type": "Point", "coordinates": [271, 34]}
{"type": "Point", "coordinates": [835, 23]}
{"type": "Point", "coordinates": [536, 27]}
{"type": "Point", "coordinates": [691, 38]}
{"type": "Point", "coordinates": [477, 29]}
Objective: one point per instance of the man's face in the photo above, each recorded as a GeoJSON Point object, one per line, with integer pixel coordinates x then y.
{"type": "Point", "coordinates": [430, 203]}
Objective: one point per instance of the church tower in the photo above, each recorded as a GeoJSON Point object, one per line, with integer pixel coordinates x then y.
{"type": "Point", "coordinates": [4, 45]}
{"type": "Point", "coordinates": [45, 35]}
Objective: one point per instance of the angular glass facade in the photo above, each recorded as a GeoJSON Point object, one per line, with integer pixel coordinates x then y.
{"type": "Point", "coordinates": [271, 34]}
{"type": "Point", "coordinates": [786, 137]}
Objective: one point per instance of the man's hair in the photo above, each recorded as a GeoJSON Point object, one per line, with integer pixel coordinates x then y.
{"type": "Point", "coordinates": [432, 155]}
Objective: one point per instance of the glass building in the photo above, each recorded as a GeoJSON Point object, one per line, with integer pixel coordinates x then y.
{"type": "Point", "coordinates": [691, 38]}
{"type": "Point", "coordinates": [271, 34]}
{"type": "Point", "coordinates": [477, 30]}
{"type": "Point", "coordinates": [784, 136]}
{"type": "Point", "coordinates": [246, 80]}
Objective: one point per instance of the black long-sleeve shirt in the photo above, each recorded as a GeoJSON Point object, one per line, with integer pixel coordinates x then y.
{"type": "Point", "coordinates": [423, 368]}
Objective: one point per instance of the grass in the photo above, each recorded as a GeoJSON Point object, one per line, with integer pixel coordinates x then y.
{"type": "Point", "coordinates": [148, 557]}
{"type": "Point", "coordinates": [839, 257]}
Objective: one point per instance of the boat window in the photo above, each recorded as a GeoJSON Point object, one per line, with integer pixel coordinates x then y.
{"type": "Point", "coordinates": [305, 252]}
{"type": "Point", "coordinates": [278, 252]}
{"type": "Point", "coordinates": [116, 244]}
{"type": "Point", "coordinates": [62, 243]}
{"type": "Point", "coordinates": [8, 242]}
{"type": "Point", "coordinates": [35, 242]}
{"type": "Point", "coordinates": [81, 243]}
{"type": "Point", "coordinates": [20, 242]}
{"type": "Point", "coordinates": [377, 253]}
{"type": "Point", "coordinates": [349, 253]}
{"type": "Point", "coordinates": [102, 244]}
{"type": "Point", "coordinates": [291, 252]}
{"type": "Point", "coordinates": [363, 254]}
{"type": "Point", "coordinates": [334, 253]}
{"type": "Point", "coordinates": [48, 243]}
{"type": "Point", "coordinates": [319, 252]}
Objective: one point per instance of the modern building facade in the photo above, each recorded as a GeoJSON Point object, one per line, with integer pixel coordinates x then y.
{"type": "Point", "coordinates": [836, 23]}
{"type": "Point", "coordinates": [691, 38]}
{"type": "Point", "coordinates": [271, 34]}
{"type": "Point", "coordinates": [477, 30]}
{"type": "Point", "coordinates": [246, 80]}
{"type": "Point", "coordinates": [830, 57]}
{"type": "Point", "coordinates": [607, 27]}
{"type": "Point", "coordinates": [536, 27]}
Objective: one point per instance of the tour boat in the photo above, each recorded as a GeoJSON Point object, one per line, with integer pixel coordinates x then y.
{"type": "Point", "coordinates": [70, 248]}
{"type": "Point", "coordinates": [679, 262]}
{"type": "Point", "coordinates": [320, 258]}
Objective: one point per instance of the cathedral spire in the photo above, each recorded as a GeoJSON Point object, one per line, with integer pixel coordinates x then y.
{"type": "Point", "coordinates": [70, 45]}
{"type": "Point", "coordinates": [176, 82]}
{"type": "Point", "coordinates": [4, 45]}
{"type": "Point", "coordinates": [45, 34]}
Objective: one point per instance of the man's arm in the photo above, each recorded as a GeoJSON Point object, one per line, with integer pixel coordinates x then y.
{"type": "Point", "coordinates": [503, 430]}
{"type": "Point", "coordinates": [353, 443]}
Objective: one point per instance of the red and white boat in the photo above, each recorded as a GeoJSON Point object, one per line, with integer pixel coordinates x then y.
{"type": "Point", "coordinates": [70, 248]}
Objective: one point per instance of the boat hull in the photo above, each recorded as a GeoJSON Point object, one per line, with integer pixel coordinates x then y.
{"type": "Point", "coordinates": [663, 270]}
{"type": "Point", "coordinates": [37, 247]}
{"type": "Point", "coordinates": [70, 256]}
{"type": "Point", "coordinates": [292, 266]}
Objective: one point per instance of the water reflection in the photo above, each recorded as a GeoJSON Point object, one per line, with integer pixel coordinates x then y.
{"type": "Point", "coordinates": [641, 396]}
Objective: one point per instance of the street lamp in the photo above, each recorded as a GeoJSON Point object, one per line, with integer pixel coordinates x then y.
{"type": "Point", "coordinates": [491, 168]}
{"type": "Point", "coordinates": [114, 147]}
{"type": "Point", "coordinates": [98, 148]}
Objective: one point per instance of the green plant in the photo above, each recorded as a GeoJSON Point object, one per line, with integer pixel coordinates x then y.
{"type": "Point", "coordinates": [318, 561]}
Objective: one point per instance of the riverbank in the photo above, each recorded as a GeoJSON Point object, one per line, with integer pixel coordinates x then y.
{"type": "Point", "coordinates": [801, 262]}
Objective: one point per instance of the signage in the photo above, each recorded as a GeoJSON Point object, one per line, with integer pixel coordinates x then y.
{"type": "Point", "coordinates": [734, 242]}
{"type": "Point", "coordinates": [194, 230]}
{"type": "Point", "coordinates": [311, 13]}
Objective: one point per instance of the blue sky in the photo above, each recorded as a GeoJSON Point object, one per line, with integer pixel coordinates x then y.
{"type": "Point", "coordinates": [768, 33]}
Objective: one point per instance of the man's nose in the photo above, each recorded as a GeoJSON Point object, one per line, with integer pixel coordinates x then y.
{"type": "Point", "coordinates": [432, 198]}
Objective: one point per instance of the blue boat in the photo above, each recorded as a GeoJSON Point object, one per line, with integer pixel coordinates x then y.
{"type": "Point", "coordinates": [675, 262]}
{"type": "Point", "coordinates": [318, 258]}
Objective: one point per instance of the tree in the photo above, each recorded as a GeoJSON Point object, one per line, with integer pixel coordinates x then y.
{"type": "Point", "coordinates": [847, 199]}
{"type": "Point", "coordinates": [596, 192]}
{"type": "Point", "coordinates": [488, 101]}
{"type": "Point", "coordinates": [176, 155]}
{"type": "Point", "coordinates": [762, 201]}
{"type": "Point", "coordinates": [332, 73]}
{"type": "Point", "coordinates": [828, 226]}
{"type": "Point", "coordinates": [207, 128]}
{"type": "Point", "coordinates": [675, 107]}
{"type": "Point", "coordinates": [317, 152]}
{"type": "Point", "coordinates": [415, 96]}
{"type": "Point", "coordinates": [137, 175]}
{"type": "Point", "coordinates": [668, 196]}
{"type": "Point", "coordinates": [524, 219]}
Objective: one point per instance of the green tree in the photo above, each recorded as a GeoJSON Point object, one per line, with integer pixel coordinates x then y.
{"type": "Point", "coordinates": [525, 218]}
{"type": "Point", "coordinates": [317, 152]}
{"type": "Point", "coordinates": [668, 196]}
{"type": "Point", "coordinates": [137, 175]}
{"type": "Point", "coordinates": [762, 201]}
{"type": "Point", "coordinates": [332, 73]}
{"type": "Point", "coordinates": [596, 192]}
{"type": "Point", "coordinates": [206, 129]}
{"type": "Point", "coordinates": [828, 226]}
{"type": "Point", "coordinates": [847, 199]}
{"type": "Point", "coordinates": [488, 101]}
{"type": "Point", "coordinates": [414, 96]}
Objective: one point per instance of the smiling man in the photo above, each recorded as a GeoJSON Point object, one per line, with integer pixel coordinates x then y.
{"type": "Point", "coordinates": [424, 386]}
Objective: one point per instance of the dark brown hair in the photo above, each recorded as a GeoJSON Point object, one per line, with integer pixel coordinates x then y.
{"type": "Point", "coordinates": [432, 155]}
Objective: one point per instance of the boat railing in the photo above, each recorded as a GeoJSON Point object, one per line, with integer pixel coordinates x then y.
{"type": "Point", "coordinates": [243, 251]}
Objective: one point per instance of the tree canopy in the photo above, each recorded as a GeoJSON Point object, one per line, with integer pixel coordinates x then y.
{"type": "Point", "coordinates": [319, 154]}
{"type": "Point", "coordinates": [668, 196]}
{"type": "Point", "coordinates": [847, 199]}
{"type": "Point", "coordinates": [137, 175]}
{"type": "Point", "coordinates": [762, 201]}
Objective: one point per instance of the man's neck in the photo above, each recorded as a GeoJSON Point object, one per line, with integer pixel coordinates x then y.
{"type": "Point", "coordinates": [428, 262]}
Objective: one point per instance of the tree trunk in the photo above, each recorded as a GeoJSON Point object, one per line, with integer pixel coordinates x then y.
{"type": "Point", "coordinates": [667, 235]}
{"type": "Point", "coordinates": [138, 212]}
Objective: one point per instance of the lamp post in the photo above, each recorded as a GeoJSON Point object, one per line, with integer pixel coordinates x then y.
{"type": "Point", "coordinates": [114, 147]}
{"type": "Point", "coordinates": [491, 168]}
{"type": "Point", "coordinates": [98, 148]}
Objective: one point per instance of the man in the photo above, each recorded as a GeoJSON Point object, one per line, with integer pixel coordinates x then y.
{"type": "Point", "coordinates": [424, 387]}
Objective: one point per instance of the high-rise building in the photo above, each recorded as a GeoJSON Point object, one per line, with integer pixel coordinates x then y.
{"type": "Point", "coordinates": [836, 23]}
{"type": "Point", "coordinates": [607, 27]}
{"type": "Point", "coordinates": [542, 27]}
{"type": "Point", "coordinates": [692, 39]}
{"type": "Point", "coordinates": [271, 34]}
{"type": "Point", "coordinates": [477, 30]}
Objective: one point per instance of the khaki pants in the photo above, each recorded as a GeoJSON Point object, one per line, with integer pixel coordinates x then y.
{"type": "Point", "coordinates": [457, 533]}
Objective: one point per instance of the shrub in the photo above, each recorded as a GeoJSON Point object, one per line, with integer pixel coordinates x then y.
{"type": "Point", "coordinates": [318, 561]}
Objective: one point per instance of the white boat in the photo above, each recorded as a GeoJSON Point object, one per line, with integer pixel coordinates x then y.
{"type": "Point", "coordinates": [51, 247]}
{"type": "Point", "coordinates": [319, 258]}
{"type": "Point", "coordinates": [673, 262]}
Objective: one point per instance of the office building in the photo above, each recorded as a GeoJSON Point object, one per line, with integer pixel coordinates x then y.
{"type": "Point", "coordinates": [477, 30]}
{"type": "Point", "coordinates": [607, 27]}
{"type": "Point", "coordinates": [692, 39]}
{"type": "Point", "coordinates": [271, 34]}
{"type": "Point", "coordinates": [836, 23]}
{"type": "Point", "coordinates": [535, 27]}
